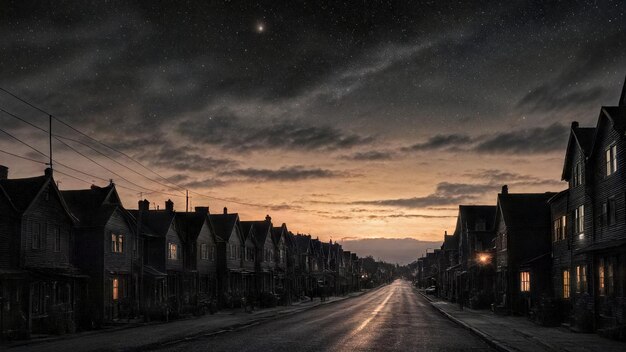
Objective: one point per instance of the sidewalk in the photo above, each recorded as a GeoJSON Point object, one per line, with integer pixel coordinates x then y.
{"type": "Point", "coordinates": [149, 335]}
{"type": "Point", "coordinates": [508, 333]}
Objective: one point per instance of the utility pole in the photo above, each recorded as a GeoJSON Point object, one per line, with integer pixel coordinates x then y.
{"type": "Point", "coordinates": [187, 201]}
{"type": "Point", "coordinates": [50, 138]}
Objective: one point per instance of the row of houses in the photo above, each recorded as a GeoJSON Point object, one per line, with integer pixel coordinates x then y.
{"type": "Point", "coordinates": [78, 259]}
{"type": "Point", "coordinates": [559, 257]}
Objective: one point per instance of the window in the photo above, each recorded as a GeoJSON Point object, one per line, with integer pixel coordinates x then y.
{"type": "Point", "coordinates": [611, 160]}
{"type": "Point", "coordinates": [250, 254]}
{"type": "Point", "coordinates": [565, 283]}
{"type": "Point", "coordinates": [503, 241]}
{"type": "Point", "coordinates": [579, 216]}
{"type": "Point", "coordinates": [172, 251]}
{"type": "Point", "coordinates": [525, 281]}
{"type": "Point", "coordinates": [232, 249]}
{"type": "Point", "coordinates": [608, 212]}
{"type": "Point", "coordinates": [116, 289]}
{"type": "Point", "coordinates": [560, 224]}
{"type": "Point", "coordinates": [212, 253]}
{"type": "Point", "coordinates": [117, 243]}
{"type": "Point", "coordinates": [581, 279]}
{"type": "Point", "coordinates": [601, 283]}
{"type": "Point", "coordinates": [610, 284]}
{"type": "Point", "coordinates": [204, 251]}
{"type": "Point", "coordinates": [36, 233]}
{"type": "Point", "coordinates": [578, 175]}
{"type": "Point", "coordinates": [57, 238]}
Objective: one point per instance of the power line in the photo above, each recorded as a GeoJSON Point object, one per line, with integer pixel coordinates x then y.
{"type": "Point", "coordinates": [22, 142]}
{"type": "Point", "coordinates": [23, 157]}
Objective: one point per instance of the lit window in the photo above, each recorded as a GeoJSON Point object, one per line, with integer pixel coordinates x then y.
{"type": "Point", "coordinates": [565, 283]}
{"type": "Point", "coordinates": [116, 288]}
{"type": "Point", "coordinates": [172, 252]}
{"type": "Point", "coordinates": [525, 281]}
{"type": "Point", "coordinates": [581, 279]}
{"type": "Point", "coordinates": [117, 243]}
{"type": "Point", "coordinates": [601, 283]}
{"type": "Point", "coordinates": [611, 160]}
{"type": "Point", "coordinates": [560, 228]}
{"type": "Point", "coordinates": [609, 279]}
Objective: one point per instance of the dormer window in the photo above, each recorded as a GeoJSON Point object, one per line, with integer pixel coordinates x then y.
{"type": "Point", "coordinates": [611, 160]}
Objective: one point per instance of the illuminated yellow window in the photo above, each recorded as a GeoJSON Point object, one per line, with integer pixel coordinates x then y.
{"type": "Point", "coordinates": [116, 288]}
{"type": "Point", "coordinates": [525, 281]}
{"type": "Point", "coordinates": [565, 283]}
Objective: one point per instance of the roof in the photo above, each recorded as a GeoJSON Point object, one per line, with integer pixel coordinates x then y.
{"type": "Point", "coordinates": [261, 229]}
{"type": "Point", "coordinates": [159, 221]}
{"type": "Point", "coordinates": [91, 206]}
{"type": "Point", "coordinates": [525, 210]}
{"type": "Point", "coordinates": [450, 242]}
{"type": "Point", "coordinates": [223, 224]}
{"type": "Point", "coordinates": [190, 224]}
{"type": "Point", "coordinates": [303, 242]}
{"type": "Point", "coordinates": [470, 215]}
{"type": "Point", "coordinates": [277, 232]}
{"type": "Point", "coordinates": [22, 192]}
{"type": "Point", "coordinates": [247, 230]}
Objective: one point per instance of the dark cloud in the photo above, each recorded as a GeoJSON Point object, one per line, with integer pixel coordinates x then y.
{"type": "Point", "coordinates": [185, 159]}
{"type": "Point", "coordinates": [372, 155]}
{"type": "Point", "coordinates": [518, 141]}
{"type": "Point", "coordinates": [526, 141]}
{"type": "Point", "coordinates": [546, 98]}
{"type": "Point", "coordinates": [441, 142]}
{"type": "Point", "coordinates": [231, 133]}
{"type": "Point", "coordinates": [284, 174]}
{"type": "Point", "coordinates": [415, 202]}
{"type": "Point", "coordinates": [392, 250]}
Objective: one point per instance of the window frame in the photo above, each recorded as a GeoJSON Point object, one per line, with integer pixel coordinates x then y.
{"type": "Point", "coordinates": [525, 281]}
{"type": "Point", "coordinates": [566, 284]}
{"type": "Point", "coordinates": [610, 156]}
{"type": "Point", "coordinates": [172, 254]}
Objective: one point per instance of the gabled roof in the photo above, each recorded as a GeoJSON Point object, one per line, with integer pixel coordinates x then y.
{"type": "Point", "coordinates": [470, 215]}
{"type": "Point", "coordinates": [525, 210]}
{"type": "Point", "coordinates": [247, 230]}
{"type": "Point", "coordinates": [303, 243]}
{"type": "Point", "coordinates": [450, 242]}
{"type": "Point", "coordinates": [580, 138]}
{"type": "Point", "coordinates": [190, 224]}
{"type": "Point", "coordinates": [224, 224]}
{"type": "Point", "coordinates": [93, 206]}
{"type": "Point", "coordinates": [159, 221]}
{"type": "Point", "coordinates": [615, 116]}
{"type": "Point", "coordinates": [278, 232]}
{"type": "Point", "coordinates": [22, 192]}
{"type": "Point", "coordinates": [262, 228]}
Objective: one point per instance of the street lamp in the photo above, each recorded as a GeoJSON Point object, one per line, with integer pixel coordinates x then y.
{"type": "Point", "coordinates": [483, 258]}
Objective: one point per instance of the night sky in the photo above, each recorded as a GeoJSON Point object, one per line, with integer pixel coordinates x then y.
{"type": "Point", "coordinates": [346, 119]}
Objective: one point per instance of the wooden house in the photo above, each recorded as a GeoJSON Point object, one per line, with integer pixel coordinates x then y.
{"type": "Point", "coordinates": [230, 257]}
{"type": "Point", "coordinates": [523, 250]}
{"type": "Point", "coordinates": [281, 284]}
{"type": "Point", "coordinates": [265, 262]}
{"type": "Point", "coordinates": [106, 244]}
{"type": "Point", "coordinates": [41, 285]}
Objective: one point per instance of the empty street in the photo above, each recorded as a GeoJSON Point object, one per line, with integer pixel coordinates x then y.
{"type": "Point", "coordinates": [392, 318]}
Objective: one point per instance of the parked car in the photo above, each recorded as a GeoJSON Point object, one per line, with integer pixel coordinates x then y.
{"type": "Point", "coordinates": [431, 290]}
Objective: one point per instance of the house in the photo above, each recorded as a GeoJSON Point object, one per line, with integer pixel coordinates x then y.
{"type": "Point", "coordinates": [450, 258]}
{"type": "Point", "coordinates": [523, 249]}
{"type": "Point", "coordinates": [200, 259]}
{"type": "Point", "coordinates": [475, 274]}
{"type": "Point", "coordinates": [108, 251]}
{"type": "Point", "coordinates": [589, 221]}
{"type": "Point", "coordinates": [278, 235]}
{"type": "Point", "coordinates": [305, 282]}
{"type": "Point", "coordinates": [230, 257]}
{"type": "Point", "coordinates": [164, 258]}
{"type": "Point", "coordinates": [265, 261]}
{"type": "Point", "coordinates": [40, 285]}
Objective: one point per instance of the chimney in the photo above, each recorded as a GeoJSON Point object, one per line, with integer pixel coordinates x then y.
{"type": "Point", "coordinates": [225, 210]}
{"type": "Point", "coordinates": [574, 124]}
{"type": "Point", "coordinates": [201, 210]}
{"type": "Point", "coordinates": [445, 233]}
{"type": "Point", "coordinates": [48, 172]}
{"type": "Point", "coordinates": [169, 205]}
{"type": "Point", "coordinates": [143, 205]}
{"type": "Point", "coordinates": [4, 172]}
{"type": "Point", "coordinates": [505, 189]}
{"type": "Point", "coordinates": [268, 218]}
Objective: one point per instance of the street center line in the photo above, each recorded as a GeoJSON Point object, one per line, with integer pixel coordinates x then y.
{"type": "Point", "coordinates": [375, 312]}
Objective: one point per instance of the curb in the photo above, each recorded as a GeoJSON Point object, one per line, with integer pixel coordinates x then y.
{"type": "Point", "coordinates": [485, 337]}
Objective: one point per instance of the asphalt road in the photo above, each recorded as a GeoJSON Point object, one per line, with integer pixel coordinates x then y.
{"type": "Point", "coordinates": [392, 318]}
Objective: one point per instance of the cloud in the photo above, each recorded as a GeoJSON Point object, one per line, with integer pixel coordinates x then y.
{"type": "Point", "coordinates": [547, 98]}
{"type": "Point", "coordinates": [185, 159]}
{"type": "Point", "coordinates": [518, 141]}
{"type": "Point", "coordinates": [372, 155]}
{"type": "Point", "coordinates": [290, 173]}
{"type": "Point", "coordinates": [441, 142]}
{"type": "Point", "coordinates": [231, 133]}
{"type": "Point", "coordinates": [527, 141]}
